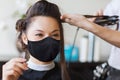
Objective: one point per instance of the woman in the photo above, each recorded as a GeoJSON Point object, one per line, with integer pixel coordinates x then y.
{"type": "Point", "coordinates": [41, 36]}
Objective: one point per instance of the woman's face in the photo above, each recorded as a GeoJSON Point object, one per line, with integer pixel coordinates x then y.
{"type": "Point", "coordinates": [42, 27]}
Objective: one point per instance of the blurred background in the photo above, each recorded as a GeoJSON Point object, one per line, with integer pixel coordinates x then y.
{"type": "Point", "coordinates": [12, 10]}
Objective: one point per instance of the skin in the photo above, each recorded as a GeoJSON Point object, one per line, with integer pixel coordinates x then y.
{"type": "Point", "coordinates": [14, 68]}
{"type": "Point", "coordinates": [39, 28]}
{"type": "Point", "coordinates": [109, 35]}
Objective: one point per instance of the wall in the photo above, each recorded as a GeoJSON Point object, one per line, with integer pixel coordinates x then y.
{"type": "Point", "coordinates": [7, 23]}
{"type": "Point", "coordinates": [7, 36]}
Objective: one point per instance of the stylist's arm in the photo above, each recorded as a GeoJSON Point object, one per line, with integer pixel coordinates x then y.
{"type": "Point", "coordinates": [14, 68]}
{"type": "Point", "coordinates": [109, 35]}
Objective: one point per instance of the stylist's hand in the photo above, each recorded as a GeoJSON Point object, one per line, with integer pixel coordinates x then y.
{"type": "Point", "coordinates": [78, 20]}
{"type": "Point", "coordinates": [74, 19]}
{"type": "Point", "coordinates": [14, 68]}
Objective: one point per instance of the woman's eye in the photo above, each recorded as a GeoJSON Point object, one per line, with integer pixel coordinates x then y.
{"type": "Point", "coordinates": [56, 35]}
{"type": "Point", "coordinates": [40, 35]}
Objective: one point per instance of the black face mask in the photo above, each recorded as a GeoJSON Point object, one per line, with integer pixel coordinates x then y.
{"type": "Point", "coordinates": [44, 50]}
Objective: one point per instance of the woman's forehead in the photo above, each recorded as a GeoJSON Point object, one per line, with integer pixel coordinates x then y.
{"type": "Point", "coordinates": [44, 23]}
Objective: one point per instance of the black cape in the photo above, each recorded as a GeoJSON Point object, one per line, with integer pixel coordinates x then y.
{"type": "Point", "coordinates": [54, 74]}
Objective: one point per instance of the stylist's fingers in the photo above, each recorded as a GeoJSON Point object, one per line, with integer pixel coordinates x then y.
{"type": "Point", "coordinates": [18, 60]}
{"type": "Point", "coordinates": [19, 67]}
{"type": "Point", "coordinates": [22, 66]}
{"type": "Point", "coordinates": [73, 19]}
{"type": "Point", "coordinates": [17, 63]}
{"type": "Point", "coordinates": [63, 17]}
{"type": "Point", "coordinates": [66, 17]}
{"type": "Point", "coordinates": [99, 13]}
{"type": "Point", "coordinates": [15, 72]}
{"type": "Point", "coordinates": [69, 18]}
{"type": "Point", "coordinates": [14, 67]}
{"type": "Point", "coordinates": [8, 73]}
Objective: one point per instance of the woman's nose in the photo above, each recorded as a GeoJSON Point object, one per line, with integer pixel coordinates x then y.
{"type": "Point", "coordinates": [47, 35]}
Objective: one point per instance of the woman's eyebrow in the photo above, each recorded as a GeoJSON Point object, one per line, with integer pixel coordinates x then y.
{"type": "Point", "coordinates": [51, 32]}
{"type": "Point", "coordinates": [39, 30]}
{"type": "Point", "coordinates": [55, 31]}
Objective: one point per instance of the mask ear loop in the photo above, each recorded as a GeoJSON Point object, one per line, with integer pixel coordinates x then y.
{"type": "Point", "coordinates": [73, 45]}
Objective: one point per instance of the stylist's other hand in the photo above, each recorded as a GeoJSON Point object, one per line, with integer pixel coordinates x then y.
{"type": "Point", "coordinates": [14, 68]}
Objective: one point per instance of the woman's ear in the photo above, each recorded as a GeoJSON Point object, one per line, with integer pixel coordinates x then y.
{"type": "Point", "coordinates": [24, 38]}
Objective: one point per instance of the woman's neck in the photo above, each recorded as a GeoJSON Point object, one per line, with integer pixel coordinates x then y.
{"type": "Point", "coordinates": [39, 65]}
{"type": "Point", "coordinates": [34, 60]}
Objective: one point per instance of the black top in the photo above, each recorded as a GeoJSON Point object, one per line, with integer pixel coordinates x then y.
{"type": "Point", "coordinates": [54, 74]}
